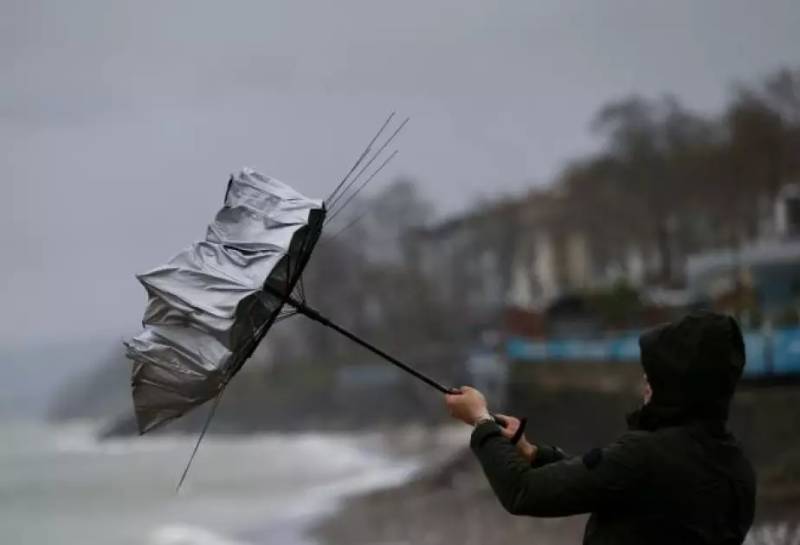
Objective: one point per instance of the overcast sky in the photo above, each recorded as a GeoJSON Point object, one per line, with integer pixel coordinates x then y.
{"type": "Point", "coordinates": [120, 121]}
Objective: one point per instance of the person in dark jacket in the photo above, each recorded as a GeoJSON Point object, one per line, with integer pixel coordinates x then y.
{"type": "Point", "coordinates": [677, 476]}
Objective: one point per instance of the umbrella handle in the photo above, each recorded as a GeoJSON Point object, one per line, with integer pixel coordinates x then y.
{"type": "Point", "coordinates": [314, 314]}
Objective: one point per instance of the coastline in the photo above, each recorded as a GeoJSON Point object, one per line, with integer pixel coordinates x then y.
{"type": "Point", "coordinates": [408, 451]}
{"type": "Point", "coordinates": [451, 502]}
{"type": "Point", "coordinates": [445, 503]}
{"type": "Point", "coordinates": [242, 490]}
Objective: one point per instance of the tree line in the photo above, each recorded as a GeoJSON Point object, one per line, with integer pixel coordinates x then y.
{"type": "Point", "coordinates": [678, 181]}
{"type": "Point", "coordinates": [667, 180]}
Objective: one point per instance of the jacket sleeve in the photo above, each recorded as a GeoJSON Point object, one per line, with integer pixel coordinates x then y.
{"type": "Point", "coordinates": [547, 454]}
{"type": "Point", "coordinates": [600, 479]}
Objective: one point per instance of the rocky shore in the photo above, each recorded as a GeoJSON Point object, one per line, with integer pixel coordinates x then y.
{"type": "Point", "coordinates": [449, 503]}
{"type": "Point", "coordinates": [452, 503]}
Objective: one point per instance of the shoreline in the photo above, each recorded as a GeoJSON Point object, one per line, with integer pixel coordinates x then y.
{"type": "Point", "coordinates": [257, 488]}
{"type": "Point", "coordinates": [451, 502]}
{"type": "Point", "coordinates": [409, 451]}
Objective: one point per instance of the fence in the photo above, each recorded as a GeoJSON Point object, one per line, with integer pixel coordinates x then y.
{"type": "Point", "coordinates": [768, 354]}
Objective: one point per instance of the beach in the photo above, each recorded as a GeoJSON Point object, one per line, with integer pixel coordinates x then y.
{"type": "Point", "coordinates": [452, 503]}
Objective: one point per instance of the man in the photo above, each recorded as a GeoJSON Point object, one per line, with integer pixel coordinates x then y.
{"type": "Point", "coordinates": [677, 476]}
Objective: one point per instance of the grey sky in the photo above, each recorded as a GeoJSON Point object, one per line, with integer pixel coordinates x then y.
{"type": "Point", "coordinates": [120, 121]}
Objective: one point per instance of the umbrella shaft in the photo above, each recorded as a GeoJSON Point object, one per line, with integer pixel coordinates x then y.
{"type": "Point", "coordinates": [312, 313]}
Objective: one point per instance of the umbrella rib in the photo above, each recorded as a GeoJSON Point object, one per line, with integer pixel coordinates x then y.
{"type": "Point", "coordinates": [284, 315]}
{"type": "Point", "coordinates": [363, 185]}
{"type": "Point", "coordinates": [361, 157]}
{"type": "Point", "coordinates": [348, 226]}
{"type": "Point", "coordinates": [300, 288]}
{"type": "Point", "coordinates": [369, 163]}
{"type": "Point", "coordinates": [207, 423]}
{"type": "Point", "coordinates": [300, 285]}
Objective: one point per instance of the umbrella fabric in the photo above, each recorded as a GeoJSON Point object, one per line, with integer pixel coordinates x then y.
{"type": "Point", "coordinates": [208, 307]}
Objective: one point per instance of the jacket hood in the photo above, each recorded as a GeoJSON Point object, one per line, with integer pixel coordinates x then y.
{"type": "Point", "coordinates": [693, 366]}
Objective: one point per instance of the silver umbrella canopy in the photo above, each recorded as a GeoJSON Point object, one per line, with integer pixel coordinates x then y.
{"type": "Point", "coordinates": [211, 304]}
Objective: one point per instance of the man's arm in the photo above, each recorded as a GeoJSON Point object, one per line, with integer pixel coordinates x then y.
{"type": "Point", "coordinates": [602, 478]}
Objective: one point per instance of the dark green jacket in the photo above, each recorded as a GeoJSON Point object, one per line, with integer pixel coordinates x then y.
{"type": "Point", "coordinates": [677, 485]}
{"type": "Point", "coordinates": [677, 477]}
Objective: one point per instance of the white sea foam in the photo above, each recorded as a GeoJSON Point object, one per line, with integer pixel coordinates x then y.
{"type": "Point", "coordinates": [774, 533]}
{"type": "Point", "coordinates": [186, 534]}
{"type": "Point", "coordinates": [81, 437]}
{"type": "Point", "coordinates": [259, 488]}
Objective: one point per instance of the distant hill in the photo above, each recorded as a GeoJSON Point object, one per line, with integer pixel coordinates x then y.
{"type": "Point", "coordinates": [101, 392]}
{"type": "Point", "coordinates": [33, 373]}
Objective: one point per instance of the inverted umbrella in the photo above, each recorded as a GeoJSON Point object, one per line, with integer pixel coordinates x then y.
{"type": "Point", "coordinates": [210, 306]}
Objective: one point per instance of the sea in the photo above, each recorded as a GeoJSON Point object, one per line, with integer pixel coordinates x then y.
{"type": "Point", "coordinates": [59, 484]}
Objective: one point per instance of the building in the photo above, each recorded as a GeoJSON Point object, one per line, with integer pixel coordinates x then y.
{"type": "Point", "coordinates": [769, 267]}
{"type": "Point", "coordinates": [467, 259]}
{"type": "Point", "coordinates": [523, 253]}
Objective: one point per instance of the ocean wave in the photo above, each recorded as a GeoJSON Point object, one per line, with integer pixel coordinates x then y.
{"type": "Point", "coordinates": [242, 489]}
{"type": "Point", "coordinates": [324, 498]}
{"type": "Point", "coordinates": [774, 533]}
{"type": "Point", "coordinates": [82, 437]}
{"type": "Point", "coordinates": [185, 534]}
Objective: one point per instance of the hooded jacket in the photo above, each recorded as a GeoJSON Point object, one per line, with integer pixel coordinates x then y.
{"type": "Point", "coordinates": [676, 477]}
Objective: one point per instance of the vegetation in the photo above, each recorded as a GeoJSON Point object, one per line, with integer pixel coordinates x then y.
{"type": "Point", "coordinates": [677, 181]}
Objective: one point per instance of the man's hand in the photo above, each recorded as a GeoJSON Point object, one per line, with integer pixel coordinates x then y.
{"type": "Point", "coordinates": [510, 427]}
{"type": "Point", "coordinates": [469, 405]}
